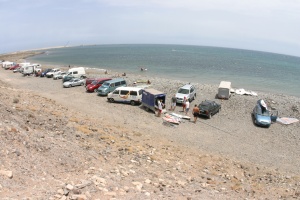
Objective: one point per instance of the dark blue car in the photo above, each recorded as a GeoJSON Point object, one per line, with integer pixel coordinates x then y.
{"type": "Point", "coordinates": [43, 74]}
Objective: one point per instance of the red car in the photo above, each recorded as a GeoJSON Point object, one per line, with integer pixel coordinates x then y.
{"type": "Point", "coordinates": [14, 67]}
{"type": "Point", "coordinates": [92, 87]}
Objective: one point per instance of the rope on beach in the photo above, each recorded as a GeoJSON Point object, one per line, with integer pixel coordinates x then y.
{"type": "Point", "coordinates": [217, 128]}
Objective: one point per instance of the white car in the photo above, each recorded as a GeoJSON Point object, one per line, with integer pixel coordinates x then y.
{"type": "Point", "coordinates": [73, 82]}
{"type": "Point", "coordinates": [188, 91]}
{"type": "Point", "coordinates": [51, 73]}
{"type": "Point", "coordinates": [59, 75]}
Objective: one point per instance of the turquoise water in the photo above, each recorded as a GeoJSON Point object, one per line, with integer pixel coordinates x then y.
{"type": "Point", "coordinates": [251, 70]}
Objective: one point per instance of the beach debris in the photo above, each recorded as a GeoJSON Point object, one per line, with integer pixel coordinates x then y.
{"type": "Point", "coordinates": [286, 120]}
{"type": "Point", "coordinates": [180, 116]}
{"type": "Point", "coordinates": [171, 119]}
{"type": "Point", "coordinates": [242, 91]}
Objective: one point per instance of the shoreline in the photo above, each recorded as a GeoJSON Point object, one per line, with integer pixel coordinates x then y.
{"type": "Point", "coordinates": [227, 151]}
{"type": "Point", "coordinates": [236, 82]}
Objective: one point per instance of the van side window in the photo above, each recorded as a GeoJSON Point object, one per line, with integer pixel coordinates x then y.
{"type": "Point", "coordinates": [112, 85]}
{"type": "Point", "coordinates": [123, 82]}
{"type": "Point", "coordinates": [75, 72]}
{"type": "Point", "coordinates": [134, 93]}
{"type": "Point", "coordinates": [118, 83]}
{"type": "Point", "coordinates": [140, 92]}
{"type": "Point", "coordinates": [116, 92]}
{"type": "Point", "coordinates": [124, 92]}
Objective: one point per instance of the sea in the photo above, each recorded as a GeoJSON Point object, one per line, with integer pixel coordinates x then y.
{"type": "Point", "coordinates": [251, 70]}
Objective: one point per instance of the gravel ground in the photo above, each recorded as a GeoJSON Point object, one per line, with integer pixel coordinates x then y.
{"type": "Point", "coordinates": [208, 160]}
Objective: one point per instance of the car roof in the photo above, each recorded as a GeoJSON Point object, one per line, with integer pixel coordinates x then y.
{"type": "Point", "coordinates": [206, 102]}
{"type": "Point", "coordinates": [129, 88]}
{"type": "Point", "coordinates": [115, 80]}
{"type": "Point", "coordinates": [187, 86]}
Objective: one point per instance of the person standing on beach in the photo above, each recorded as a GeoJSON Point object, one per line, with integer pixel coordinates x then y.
{"type": "Point", "coordinates": [183, 104]}
{"type": "Point", "coordinates": [173, 103]}
{"type": "Point", "coordinates": [187, 107]}
{"type": "Point", "coordinates": [195, 113]}
{"type": "Point", "coordinates": [160, 106]}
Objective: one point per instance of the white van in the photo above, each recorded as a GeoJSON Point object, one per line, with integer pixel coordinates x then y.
{"type": "Point", "coordinates": [132, 95]}
{"type": "Point", "coordinates": [78, 72]}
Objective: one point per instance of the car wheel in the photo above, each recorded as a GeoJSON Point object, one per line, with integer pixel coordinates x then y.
{"type": "Point", "coordinates": [209, 116]}
{"type": "Point", "coordinates": [132, 103]}
{"type": "Point", "coordinates": [111, 100]}
{"type": "Point", "coordinates": [95, 90]}
{"type": "Point", "coordinates": [82, 84]}
{"type": "Point", "coordinates": [69, 85]}
{"type": "Point", "coordinates": [147, 109]}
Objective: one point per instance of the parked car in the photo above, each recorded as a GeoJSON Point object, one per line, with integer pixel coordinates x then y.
{"type": "Point", "coordinates": [187, 91]}
{"type": "Point", "coordinates": [261, 115]}
{"type": "Point", "coordinates": [14, 67]}
{"type": "Point", "coordinates": [111, 85]}
{"type": "Point", "coordinates": [90, 80]}
{"type": "Point", "coordinates": [92, 87]}
{"type": "Point", "coordinates": [66, 78]}
{"type": "Point", "coordinates": [45, 72]}
{"type": "Point", "coordinates": [208, 108]}
{"type": "Point", "coordinates": [73, 82]}
{"type": "Point", "coordinates": [51, 73]}
{"type": "Point", "coordinates": [132, 95]}
{"type": "Point", "coordinates": [59, 75]}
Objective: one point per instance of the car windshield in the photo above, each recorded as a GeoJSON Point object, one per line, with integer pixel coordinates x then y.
{"type": "Point", "coordinates": [105, 85]}
{"type": "Point", "coordinates": [183, 91]}
{"type": "Point", "coordinates": [204, 106]}
{"type": "Point", "coordinates": [94, 82]}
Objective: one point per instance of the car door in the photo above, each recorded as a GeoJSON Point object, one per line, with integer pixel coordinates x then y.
{"type": "Point", "coordinates": [76, 82]}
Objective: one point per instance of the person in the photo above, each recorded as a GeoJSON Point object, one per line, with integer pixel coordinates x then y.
{"type": "Point", "coordinates": [187, 107]}
{"type": "Point", "coordinates": [160, 107]}
{"type": "Point", "coordinates": [148, 82]}
{"type": "Point", "coordinates": [183, 104]}
{"type": "Point", "coordinates": [105, 72]}
{"type": "Point", "coordinates": [69, 66]}
{"type": "Point", "coordinates": [195, 113]}
{"type": "Point", "coordinates": [124, 74]}
{"type": "Point", "coordinates": [173, 103]}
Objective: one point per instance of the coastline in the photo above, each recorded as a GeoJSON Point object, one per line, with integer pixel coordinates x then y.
{"type": "Point", "coordinates": [230, 136]}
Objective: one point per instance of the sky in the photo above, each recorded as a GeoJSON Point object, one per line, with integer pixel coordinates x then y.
{"type": "Point", "coordinates": [263, 25]}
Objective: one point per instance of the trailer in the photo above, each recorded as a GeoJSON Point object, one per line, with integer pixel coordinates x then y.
{"type": "Point", "coordinates": [224, 90]}
{"type": "Point", "coordinates": [150, 99]}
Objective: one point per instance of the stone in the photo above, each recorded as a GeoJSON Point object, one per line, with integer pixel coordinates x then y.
{"type": "Point", "coordinates": [78, 197]}
{"type": "Point", "coordinates": [63, 198]}
{"type": "Point", "coordinates": [83, 184]}
{"type": "Point", "coordinates": [148, 181]}
{"type": "Point", "coordinates": [111, 194]}
{"type": "Point", "coordinates": [98, 180]}
{"type": "Point", "coordinates": [60, 191]}
{"type": "Point", "coordinates": [9, 174]}
{"type": "Point", "coordinates": [70, 187]}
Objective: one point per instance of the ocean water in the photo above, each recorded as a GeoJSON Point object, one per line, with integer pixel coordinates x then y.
{"type": "Point", "coordinates": [251, 70]}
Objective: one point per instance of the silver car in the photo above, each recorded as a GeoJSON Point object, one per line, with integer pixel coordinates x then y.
{"type": "Point", "coordinates": [59, 75]}
{"type": "Point", "coordinates": [188, 91]}
{"type": "Point", "coordinates": [73, 82]}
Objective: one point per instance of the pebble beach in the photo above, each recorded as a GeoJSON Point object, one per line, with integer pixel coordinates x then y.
{"type": "Point", "coordinates": [123, 152]}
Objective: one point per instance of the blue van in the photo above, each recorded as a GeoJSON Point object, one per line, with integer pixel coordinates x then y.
{"type": "Point", "coordinates": [109, 86]}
